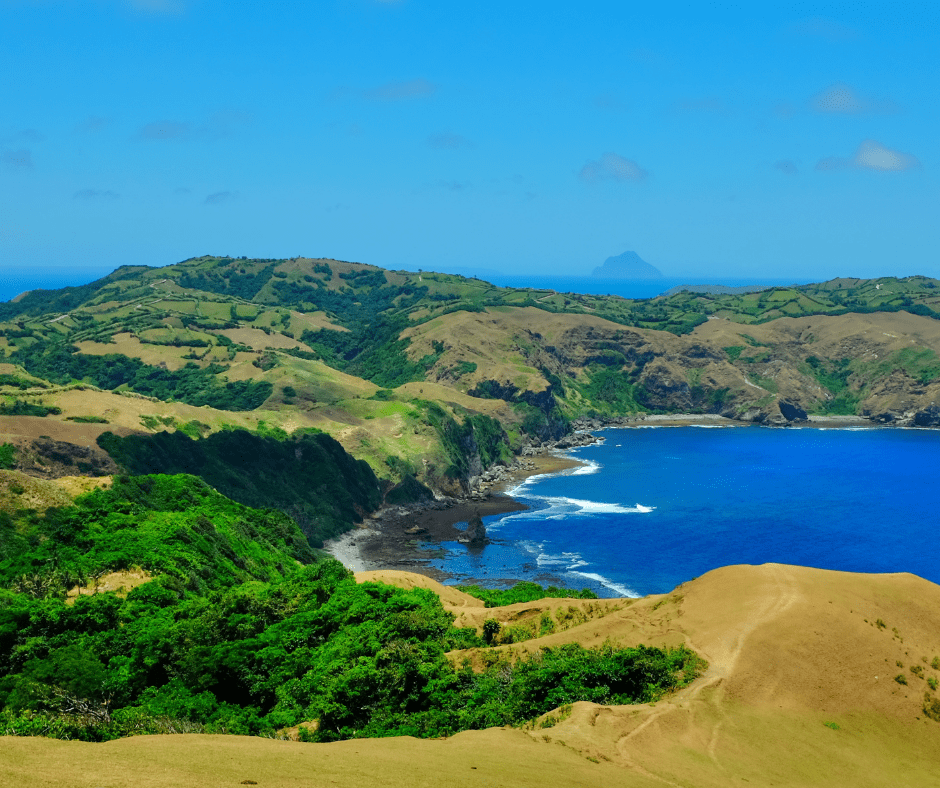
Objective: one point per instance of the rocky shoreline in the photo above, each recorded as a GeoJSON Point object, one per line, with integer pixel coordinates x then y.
{"type": "Point", "coordinates": [397, 537]}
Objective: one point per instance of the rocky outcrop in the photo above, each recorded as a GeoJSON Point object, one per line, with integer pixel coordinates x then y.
{"type": "Point", "coordinates": [791, 411]}
{"type": "Point", "coordinates": [475, 535]}
{"type": "Point", "coordinates": [928, 417]}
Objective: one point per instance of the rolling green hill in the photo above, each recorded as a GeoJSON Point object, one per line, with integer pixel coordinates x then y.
{"type": "Point", "coordinates": [404, 369]}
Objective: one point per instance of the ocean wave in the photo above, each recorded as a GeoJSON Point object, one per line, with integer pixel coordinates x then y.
{"type": "Point", "coordinates": [587, 469]}
{"type": "Point", "coordinates": [617, 588]}
{"type": "Point", "coordinates": [568, 560]}
{"type": "Point", "coordinates": [559, 508]}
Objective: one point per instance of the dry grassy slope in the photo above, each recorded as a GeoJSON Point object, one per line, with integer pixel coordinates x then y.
{"type": "Point", "coordinates": [510, 344]}
{"type": "Point", "coordinates": [789, 650]}
{"type": "Point", "coordinates": [326, 399]}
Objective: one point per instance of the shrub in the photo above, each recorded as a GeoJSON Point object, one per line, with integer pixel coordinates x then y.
{"type": "Point", "coordinates": [931, 707]}
{"type": "Point", "coordinates": [901, 679]}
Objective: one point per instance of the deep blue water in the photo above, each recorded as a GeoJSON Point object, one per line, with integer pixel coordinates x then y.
{"type": "Point", "coordinates": [854, 500]}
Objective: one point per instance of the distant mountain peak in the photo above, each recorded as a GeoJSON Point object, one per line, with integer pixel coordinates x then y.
{"type": "Point", "coordinates": [628, 265]}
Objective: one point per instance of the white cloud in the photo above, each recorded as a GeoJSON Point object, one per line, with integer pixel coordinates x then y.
{"type": "Point", "coordinates": [875, 156]}
{"type": "Point", "coordinates": [843, 99]}
{"type": "Point", "coordinates": [871, 155]}
{"type": "Point", "coordinates": [400, 91]}
{"type": "Point", "coordinates": [611, 166]}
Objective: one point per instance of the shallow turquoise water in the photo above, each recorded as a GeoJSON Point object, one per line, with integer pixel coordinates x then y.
{"type": "Point", "coordinates": [654, 507]}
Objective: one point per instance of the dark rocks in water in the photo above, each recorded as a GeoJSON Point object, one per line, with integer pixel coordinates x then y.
{"type": "Point", "coordinates": [628, 265]}
{"type": "Point", "coordinates": [475, 535]}
{"type": "Point", "coordinates": [791, 411]}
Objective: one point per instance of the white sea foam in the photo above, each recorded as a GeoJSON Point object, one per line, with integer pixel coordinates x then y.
{"type": "Point", "coordinates": [617, 588]}
{"type": "Point", "coordinates": [587, 469]}
{"type": "Point", "coordinates": [568, 560]}
{"type": "Point", "coordinates": [559, 508]}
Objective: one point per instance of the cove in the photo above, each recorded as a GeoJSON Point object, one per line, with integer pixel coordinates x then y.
{"type": "Point", "coordinates": [653, 507]}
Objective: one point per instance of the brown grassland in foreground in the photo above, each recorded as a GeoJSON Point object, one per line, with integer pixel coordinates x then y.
{"type": "Point", "coordinates": [800, 691]}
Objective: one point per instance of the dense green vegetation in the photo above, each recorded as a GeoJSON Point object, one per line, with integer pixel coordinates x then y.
{"type": "Point", "coordinates": [15, 381]}
{"type": "Point", "coordinates": [23, 408]}
{"type": "Point", "coordinates": [234, 634]}
{"type": "Point", "coordinates": [192, 384]}
{"type": "Point", "coordinates": [7, 456]}
{"type": "Point", "coordinates": [524, 592]}
{"type": "Point", "coordinates": [311, 477]}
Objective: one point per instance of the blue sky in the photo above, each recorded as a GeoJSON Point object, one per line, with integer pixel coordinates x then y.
{"type": "Point", "coordinates": [715, 139]}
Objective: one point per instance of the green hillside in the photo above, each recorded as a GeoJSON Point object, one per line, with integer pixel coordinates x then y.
{"type": "Point", "coordinates": [406, 368]}
{"type": "Point", "coordinates": [239, 630]}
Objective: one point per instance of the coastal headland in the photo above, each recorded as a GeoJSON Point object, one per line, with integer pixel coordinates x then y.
{"type": "Point", "coordinates": [815, 678]}
{"type": "Point", "coordinates": [174, 437]}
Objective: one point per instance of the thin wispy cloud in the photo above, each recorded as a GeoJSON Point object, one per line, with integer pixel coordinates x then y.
{"type": "Point", "coordinates": [182, 191]}
{"type": "Point", "coordinates": [448, 141]}
{"type": "Point", "coordinates": [610, 101]}
{"type": "Point", "coordinates": [103, 195]}
{"type": "Point", "coordinates": [92, 124]}
{"type": "Point", "coordinates": [157, 6]}
{"type": "Point", "coordinates": [701, 105]}
{"type": "Point", "coordinates": [871, 155]}
{"type": "Point", "coordinates": [17, 159]}
{"type": "Point", "coordinates": [786, 166]}
{"type": "Point", "coordinates": [612, 166]}
{"type": "Point", "coordinates": [821, 27]}
{"type": "Point", "coordinates": [216, 126]}
{"type": "Point", "coordinates": [165, 130]}
{"type": "Point", "coordinates": [453, 186]}
{"type": "Point", "coordinates": [843, 99]}
{"type": "Point", "coordinates": [400, 91]}
{"type": "Point", "coordinates": [218, 198]}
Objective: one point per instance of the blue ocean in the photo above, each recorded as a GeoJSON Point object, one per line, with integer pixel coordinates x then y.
{"type": "Point", "coordinates": [652, 507]}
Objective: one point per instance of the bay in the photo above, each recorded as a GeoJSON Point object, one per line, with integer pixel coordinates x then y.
{"type": "Point", "coordinates": [653, 507]}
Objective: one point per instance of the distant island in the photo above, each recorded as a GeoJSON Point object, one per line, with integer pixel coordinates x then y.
{"type": "Point", "coordinates": [628, 265]}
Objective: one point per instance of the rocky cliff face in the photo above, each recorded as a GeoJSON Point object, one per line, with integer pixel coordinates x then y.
{"type": "Point", "coordinates": [883, 366]}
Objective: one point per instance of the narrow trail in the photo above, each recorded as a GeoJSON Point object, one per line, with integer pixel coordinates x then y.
{"type": "Point", "coordinates": [706, 698]}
